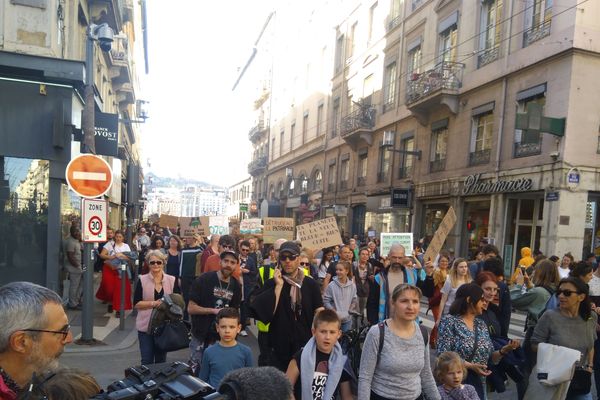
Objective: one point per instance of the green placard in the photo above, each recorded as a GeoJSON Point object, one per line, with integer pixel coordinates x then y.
{"type": "Point", "coordinates": [243, 207]}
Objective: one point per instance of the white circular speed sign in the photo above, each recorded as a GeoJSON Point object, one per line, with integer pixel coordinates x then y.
{"type": "Point", "coordinates": [94, 215]}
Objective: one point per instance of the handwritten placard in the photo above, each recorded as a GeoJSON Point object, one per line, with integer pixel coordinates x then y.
{"type": "Point", "coordinates": [319, 234]}
{"type": "Point", "coordinates": [389, 239]}
{"type": "Point", "coordinates": [168, 221]}
{"type": "Point", "coordinates": [250, 226]}
{"type": "Point", "coordinates": [278, 228]}
{"type": "Point", "coordinates": [440, 235]}
{"type": "Point", "coordinates": [190, 226]}
{"type": "Point", "coordinates": [219, 225]}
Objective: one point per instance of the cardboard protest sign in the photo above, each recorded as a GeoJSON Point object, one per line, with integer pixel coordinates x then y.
{"type": "Point", "coordinates": [440, 235]}
{"type": "Point", "coordinates": [190, 226]}
{"type": "Point", "coordinates": [319, 234]}
{"type": "Point", "coordinates": [403, 238]}
{"type": "Point", "coordinates": [250, 226]}
{"type": "Point", "coordinates": [278, 228]}
{"type": "Point", "coordinates": [168, 221]}
{"type": "Point", "coordinates": [218, 225]}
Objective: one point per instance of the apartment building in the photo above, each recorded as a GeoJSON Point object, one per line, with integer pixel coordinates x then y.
{"type": "Point", "coordinates": [42, 85]}
{"type": "Point", "coordinates": [484, 106]}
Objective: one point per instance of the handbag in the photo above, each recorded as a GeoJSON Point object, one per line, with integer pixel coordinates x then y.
{"type": "Point", "coordinates": [555, 364]}
{"type": "Point", "coordinates": [581, 382]}
{"type": "Point", "coordinates": [172, 335]}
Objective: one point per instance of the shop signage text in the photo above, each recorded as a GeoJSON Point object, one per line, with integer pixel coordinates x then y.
{"type": "Point", "coordinates": [473, 185]}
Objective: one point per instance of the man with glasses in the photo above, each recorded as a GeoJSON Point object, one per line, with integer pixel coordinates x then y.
{"type": "Point", "coordinates": [249, 277]}
{"type": "Point", "coordinates": [211, 292]}
{"type": "Point", "coordinates": [289, 302]}
{"type": "Point", "coordinates": [33, 334]}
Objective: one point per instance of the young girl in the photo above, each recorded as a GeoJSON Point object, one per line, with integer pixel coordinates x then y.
{"type": "Point", "coordinates": [450, 371]}
{"type": "Point", "coordinates": [326, 259]}
{"type": "Point", "coordinates": [340, 294]}
{"type": "Point", "coordinates": [458, 276]}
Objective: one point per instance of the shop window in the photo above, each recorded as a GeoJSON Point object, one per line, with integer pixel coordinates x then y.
{"type": "Point", "coordinates": [434, 214]}
{"type": "Point", "coordinates": [524, 226]}
{"type": "Point", "coordinates": [481, 138]}
{"type": "Point", "coordinates": [476, 225]}
{"type": "Point", "coordinates": [24, 186]}
{"type": "Point", "coordinates": [531, 147]}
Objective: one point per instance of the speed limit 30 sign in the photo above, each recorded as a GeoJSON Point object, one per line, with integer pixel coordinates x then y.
{"type": "Point", "coordinates": [94, 220]}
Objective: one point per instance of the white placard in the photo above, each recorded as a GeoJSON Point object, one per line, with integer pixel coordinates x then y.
{"type": "Point", "coordinates": [403, 238]}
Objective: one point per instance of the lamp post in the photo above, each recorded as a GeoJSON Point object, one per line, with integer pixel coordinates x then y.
{"type": "Point", "coordinates": [103, 34]}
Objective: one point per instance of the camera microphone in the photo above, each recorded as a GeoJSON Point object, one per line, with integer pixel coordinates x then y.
{"type": "Point", "coordinates": [255, 383]}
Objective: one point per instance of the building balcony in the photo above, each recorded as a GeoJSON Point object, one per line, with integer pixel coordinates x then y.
{"type": "Point", "coordinates": [125, 93]}
{"type": "Point", "coordinates": [432, 88]}
{"type": "Point", "coordinates": [479, 157]}
{"type": "Point", "coordinates": [437, 165]}
{"type": "Point", "coordinates": [527, 149]}
{"type": "Point", "coordinates": [358, 125]}
{"type": "Point", "coordinates": [536, 33]}
{"type": "Point", "coordinates": [120, 60]}
{"type": "Point", "coordinates": [488, 56]}
{"type": "Point", "coordinates": [257, 132]}
{"type": "Point", "coordinates": [257, 166]}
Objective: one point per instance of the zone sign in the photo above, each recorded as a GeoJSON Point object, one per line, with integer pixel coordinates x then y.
{"type": "Point", "coordinates": [94, 219]}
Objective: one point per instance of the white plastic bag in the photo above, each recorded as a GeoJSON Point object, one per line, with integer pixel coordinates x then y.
{"type": "Point", "coordinates": [555, 364]}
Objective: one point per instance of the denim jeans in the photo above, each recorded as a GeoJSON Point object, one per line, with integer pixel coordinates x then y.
{"type": "Point", "coordinates": [150, 355]}
{"type": "Point", "coordinates": [346, 325]}
{"type": "Point", "coordinates": [587, 396]}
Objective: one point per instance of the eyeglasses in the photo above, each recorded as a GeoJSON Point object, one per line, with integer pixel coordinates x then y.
{"type": "Point", "coordinates": [566, 292]}
{"type": "Point", "coordinates": [291, 257]}
{"type": "Point", "coordinates": [244, 250]}
{"type": "Point", "coordinates": [155, 262]}
{"type": "Point", "coordinates": [304, 264]}
{"type": "Point", "coordinates": [64, 332]}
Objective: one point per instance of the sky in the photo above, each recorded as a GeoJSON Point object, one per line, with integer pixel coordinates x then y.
{"type": "Point", "coordinates": [198, 127]}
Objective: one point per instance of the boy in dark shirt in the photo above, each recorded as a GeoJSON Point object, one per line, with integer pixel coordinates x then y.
{"type": "Point", "coordinates": [319, 366]}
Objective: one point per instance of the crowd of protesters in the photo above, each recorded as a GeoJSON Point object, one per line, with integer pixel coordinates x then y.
{"type": "Point", "coordinates": [303, 300]}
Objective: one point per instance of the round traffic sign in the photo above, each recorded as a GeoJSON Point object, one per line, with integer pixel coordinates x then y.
{"type": "Point", "coordinates": [89, 176]}
{"type": "Point", "coordinates": [95, 225]}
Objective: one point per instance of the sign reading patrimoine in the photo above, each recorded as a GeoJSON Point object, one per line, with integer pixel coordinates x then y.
{"type": "Point", "coordinates": [473, 185]}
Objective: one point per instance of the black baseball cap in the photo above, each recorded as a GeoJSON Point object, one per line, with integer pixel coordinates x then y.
{"type": "Point", "coordinates": [290, 247]}
{"type": "Point", "coordinates": [228, 253]}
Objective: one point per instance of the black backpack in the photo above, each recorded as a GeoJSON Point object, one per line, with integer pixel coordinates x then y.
{"type": "Point", "coordinates": [381, 325]}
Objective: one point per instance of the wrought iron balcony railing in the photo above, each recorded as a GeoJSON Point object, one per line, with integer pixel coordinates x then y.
{"type": "Point", "coordinates": [446, 75]}
{"type": "Point", "coordinates": [536, 33]}
{"type": "Point", "coordinates": [479, 157]}
{"type": "Point", "coordinates": [362, 118]}
{"type": "Point", "coordinates": [437, 165]}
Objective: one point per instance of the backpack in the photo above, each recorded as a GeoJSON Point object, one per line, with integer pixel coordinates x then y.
{"type": "Point", "coordinates": [382, 338]}
{"type": "Point", "coordinates": [551, 304]}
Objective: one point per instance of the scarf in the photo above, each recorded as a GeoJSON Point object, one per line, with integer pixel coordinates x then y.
{"type": "Point", "coordinates": [335, 365]}
{"type": "Point", "coordinates": [295, 282]}
{"type": "Point", "coordinates": [8, 387]}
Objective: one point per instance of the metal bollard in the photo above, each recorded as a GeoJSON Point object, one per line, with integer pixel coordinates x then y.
{"type": "Point", "coordinates": [122, 305]}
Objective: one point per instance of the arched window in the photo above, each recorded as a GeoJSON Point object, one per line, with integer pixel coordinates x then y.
{"type": "Point", "coordinates": [272, 191]}
{"type": "Point", "coordinates": [303, 184]}
{"type": "Point", "coordinates": [280, 189]}
{"type": "Point", "coordinates": [291, 188]}
{"type": "Point", "coordinates": [318, 180]}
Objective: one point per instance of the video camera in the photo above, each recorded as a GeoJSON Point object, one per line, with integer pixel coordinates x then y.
{"type": "Point", "coordinates": [166, 381]}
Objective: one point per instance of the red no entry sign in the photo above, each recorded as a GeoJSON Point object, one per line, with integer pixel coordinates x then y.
{"type": "Point", "coordinates": [89, 176]}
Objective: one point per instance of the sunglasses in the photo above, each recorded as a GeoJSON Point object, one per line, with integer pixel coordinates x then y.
{"type": "Point", "coordinates": [244, 250]}
{"type": "Point", "coordinates": [304, 264]}
{"type": "Point", "coordinates": [291, 257]}
{"type": "Point", "coordinates": [155, 262]}
{"type": "Point", "coordinates": [566, 292]}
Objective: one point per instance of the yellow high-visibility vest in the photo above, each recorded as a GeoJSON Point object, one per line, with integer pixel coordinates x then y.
{"type": "Point", "coordinates": [261, 326]}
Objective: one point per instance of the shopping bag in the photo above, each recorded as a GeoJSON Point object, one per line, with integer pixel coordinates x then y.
{"type": "Point", "coordinates": [555, 364]}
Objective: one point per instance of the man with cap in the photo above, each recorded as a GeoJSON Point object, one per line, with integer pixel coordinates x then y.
{"type": "Point", "coordinates": [289, 302]}
{"type": "Point", "coordinates": [211, 292]}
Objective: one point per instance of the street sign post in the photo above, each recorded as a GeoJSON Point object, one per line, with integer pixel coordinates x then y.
{"type": "Point", "coordinates": [89, 176]}
{"type": "Point", "coordinates": [94, 217]}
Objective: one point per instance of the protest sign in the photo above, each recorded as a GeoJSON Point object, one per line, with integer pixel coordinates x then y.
{"type": "Point", "coordinates": [168, 221]}
{"type": "Point", "coordinates": [278, 228]}
{"type": "Point", "coordinates": [403, 238]}
{"type": "Point", "coordinates": [319, 234]}
{"type": "Point", "coordinates": [190, 226]}
{"type": "Point", "coordinates": [440, 235]}
{"type": "Point", "coordinates": [218, 225]}
{"type": "Point", "coordinates": [250, 226]}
